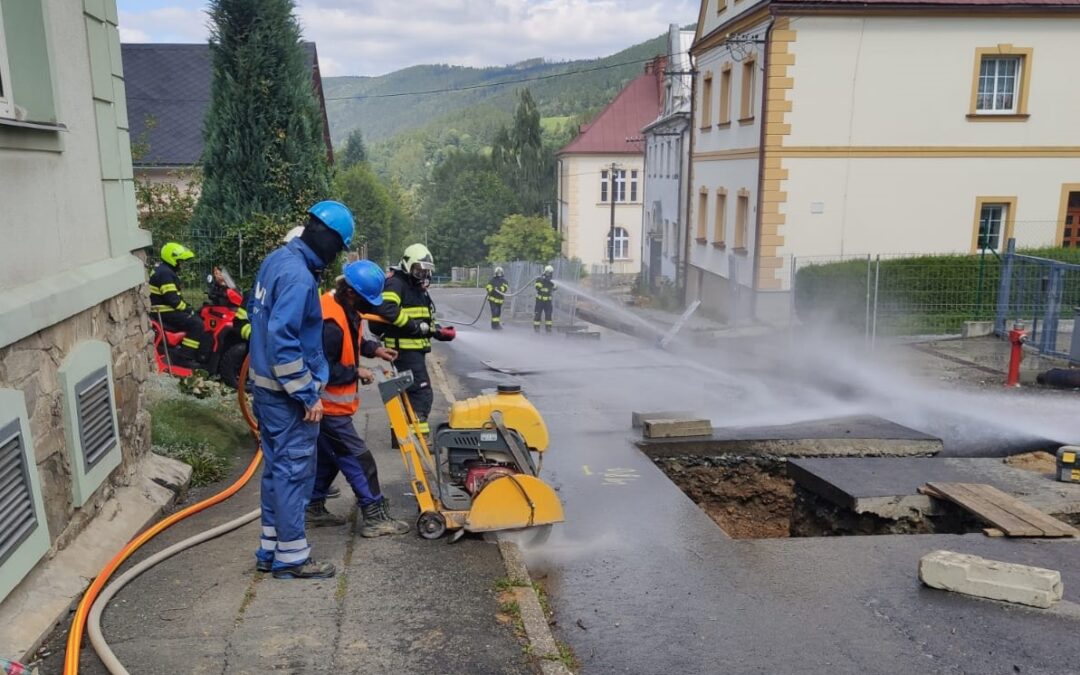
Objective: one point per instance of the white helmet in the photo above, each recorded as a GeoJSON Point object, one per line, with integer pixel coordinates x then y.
{"type": "Point", "coordinates": [293, 233]}
{"type": "Point", "coordinates": [548, 269]}
{"type": "Point", "coordinates": [417, 261]}
{"type": "Point", "coordinates": [498, 271]}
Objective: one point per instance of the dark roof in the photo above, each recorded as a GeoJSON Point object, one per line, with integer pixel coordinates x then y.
{"type": "Point", "coordinates": [1015, 4]}
{"type": "Point", "coordinates": [170, 84]}
{"type": "Point", "coordinates": [636, 106]}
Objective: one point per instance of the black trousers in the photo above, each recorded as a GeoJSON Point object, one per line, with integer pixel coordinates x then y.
{"type": "Point", "coordinates": [496, 313]}
{"type": "Point", "coordinates": [420, 394]}
{"type": "Point", "coordinates": [543, 307]}
{"type": "Point", "coordinates": [197, 343]}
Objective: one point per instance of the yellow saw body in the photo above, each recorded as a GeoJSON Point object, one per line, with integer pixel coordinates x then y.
{"type": "Point", "coordinates": [479, 473]}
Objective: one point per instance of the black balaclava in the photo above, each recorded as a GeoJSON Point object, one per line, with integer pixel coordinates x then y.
{"type": "Point", "coordinates": [325, 242]}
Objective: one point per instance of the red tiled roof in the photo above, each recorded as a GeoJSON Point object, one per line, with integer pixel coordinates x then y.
{"type": "Point", "coordinates": [636, 106]}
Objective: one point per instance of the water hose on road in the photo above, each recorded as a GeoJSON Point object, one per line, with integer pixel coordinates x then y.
{"type": "Point", "coordinates": [78, 624]}
{"type": "Point", "coordinates": [484, 305]}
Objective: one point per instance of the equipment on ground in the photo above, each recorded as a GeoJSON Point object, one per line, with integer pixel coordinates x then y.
{"type": "Point", "coordinates": [479, 474]}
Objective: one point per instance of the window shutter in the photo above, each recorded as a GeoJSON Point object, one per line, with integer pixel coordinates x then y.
{"type": "Point", "coordinates": [97, 432]}
{"type": "Point", "coordinates": [18, 518]}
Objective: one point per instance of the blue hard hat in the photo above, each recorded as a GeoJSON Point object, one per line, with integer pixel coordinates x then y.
{"type": "Point", "coordinates": [367, 279]}
{"type": "Point", "coordinates": [337, 217]}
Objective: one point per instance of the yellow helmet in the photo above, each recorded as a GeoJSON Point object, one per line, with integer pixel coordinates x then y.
{"type": "Point", "coordinates": [173, 253]}
{"type": "Point", "coordinates": [417, 255]}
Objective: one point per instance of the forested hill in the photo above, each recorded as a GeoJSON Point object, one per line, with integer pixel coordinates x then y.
{"type": "Point", "coordinates": [380, 117]}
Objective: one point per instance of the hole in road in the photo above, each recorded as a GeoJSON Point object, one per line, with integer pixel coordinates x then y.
{"type": "Point", "coordinates": [752, 497]}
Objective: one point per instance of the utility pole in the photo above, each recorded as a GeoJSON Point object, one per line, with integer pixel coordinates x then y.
{"type": "Point", "coordinates": [611, 230]}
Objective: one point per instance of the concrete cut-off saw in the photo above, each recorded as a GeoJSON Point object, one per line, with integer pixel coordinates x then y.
{"type": "Point", "coordinates": [478, 474]}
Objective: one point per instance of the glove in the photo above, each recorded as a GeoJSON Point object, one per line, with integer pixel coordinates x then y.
{"type": "Point", "coordinates": [445, 334]}
{"type": "Point", "coordinates": [425, 328]}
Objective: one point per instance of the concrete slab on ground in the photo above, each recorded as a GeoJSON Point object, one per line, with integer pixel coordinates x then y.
{"type": "Point", "coordinates": [863, 435]}
{"type": "Point", "coordinates": [888, 487]}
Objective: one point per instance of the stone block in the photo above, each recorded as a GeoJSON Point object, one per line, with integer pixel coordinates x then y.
{"type": "Point", "coordinates": [676, 428]}
{"type": "Point", "coordinates": [22, 363]}
{"type": "Point", "coordinates": [637, 418]}
{"type": "Point", "coordinates": [991, 579]}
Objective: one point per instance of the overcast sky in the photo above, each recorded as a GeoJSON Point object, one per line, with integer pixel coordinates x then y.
{"type": "Point", "coordinates": [374, 37]}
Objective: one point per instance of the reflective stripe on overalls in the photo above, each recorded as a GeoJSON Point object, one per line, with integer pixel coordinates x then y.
{"type": "Point", "coordinates": [340, 399]}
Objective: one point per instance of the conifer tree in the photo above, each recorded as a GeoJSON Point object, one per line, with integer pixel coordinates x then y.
{"type": "Point", "coordinates": [264, 155]}
{"type": "Point", "coordinates": [522, 161]}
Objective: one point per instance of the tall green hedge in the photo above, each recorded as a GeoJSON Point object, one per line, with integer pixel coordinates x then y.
{"type": "Point", "coordinates": [916, 295]}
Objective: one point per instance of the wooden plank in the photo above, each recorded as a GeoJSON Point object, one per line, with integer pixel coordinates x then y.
{"type": "Point", "coordinates": [1050, 525]}
{"type": "Point", "coordinates": [988, 511]}
{"type": "Point", "coordinates": [1005, 512]}
{"type": "Point", "coordinates": [676, 428]}
{"type": "Point", "coordinates": [993, 532]}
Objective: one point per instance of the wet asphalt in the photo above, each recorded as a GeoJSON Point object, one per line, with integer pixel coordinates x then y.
{"type": "Point", "coordinates": [642, 581]}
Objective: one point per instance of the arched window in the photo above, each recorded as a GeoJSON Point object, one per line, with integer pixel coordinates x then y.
{"type": "Point", "coordinates": [622, 245]}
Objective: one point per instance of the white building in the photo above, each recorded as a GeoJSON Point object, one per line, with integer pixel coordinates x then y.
{"type": "Point", "coordinates": [667, 164]}
{"type": "Point", "coordinates": [601, 171]}
{"type": "Point", "coordinates": [837, 128]}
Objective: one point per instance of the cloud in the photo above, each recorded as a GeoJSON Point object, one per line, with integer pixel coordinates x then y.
{"type": "Point", "coordinates": [373, 37]}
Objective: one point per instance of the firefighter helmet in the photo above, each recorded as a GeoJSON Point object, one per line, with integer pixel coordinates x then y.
{"type": "Point", "coordinates": [498, 271]}
{"type": "Point", "coordinates": [417, 256]}
{"type": "Point", "coordinates": [548, 269]}
{"type": "Point", "coordinates": [173, 253]}
{"type": "Point", "coordinates": [293, 233]}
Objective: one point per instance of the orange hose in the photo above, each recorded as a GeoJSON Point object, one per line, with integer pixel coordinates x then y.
{"type": "Point", "coordinates": [78, 624]}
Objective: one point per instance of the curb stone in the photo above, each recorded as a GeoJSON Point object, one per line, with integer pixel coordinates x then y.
{"type": "Point", "coordinates": [537, 631]}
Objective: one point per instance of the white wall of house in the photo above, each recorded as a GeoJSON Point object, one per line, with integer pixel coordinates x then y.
{"type": "Point", "coordinates": [884, 155]}
{"type": "Point", "coordinates": [726, 160]}
{"type": "Point", "coordinates": [587, 218]}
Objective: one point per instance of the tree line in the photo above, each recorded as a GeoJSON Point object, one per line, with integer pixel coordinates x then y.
{"type": "Point", "coordinates": [265, 161]}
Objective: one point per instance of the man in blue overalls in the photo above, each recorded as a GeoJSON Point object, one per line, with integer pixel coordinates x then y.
{"type": "Point", "coordinates": [288, 371]}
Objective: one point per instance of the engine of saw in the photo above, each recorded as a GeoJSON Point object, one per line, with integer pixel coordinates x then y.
{"type": "Point", "coordinates": [486, 438]}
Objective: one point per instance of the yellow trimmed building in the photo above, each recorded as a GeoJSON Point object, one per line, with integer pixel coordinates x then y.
{"type": "Point", "coordinates": [841, 128]}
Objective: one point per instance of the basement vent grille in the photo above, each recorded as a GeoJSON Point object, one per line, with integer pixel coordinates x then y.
{"type": "Point", "coordinates": [17, 516]}
{"type": "Point", "coordinates": [94, 406]}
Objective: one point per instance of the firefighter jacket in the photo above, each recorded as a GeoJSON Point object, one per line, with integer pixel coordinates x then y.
{"type": "Point", "coordinates": [497, 289]}
{"type": "Point", "coordinates": [341, 330]}
{"type": "Point", "coordinates": [165, 290]}
{"type": "Point", "coordinates": [406, 304]}
{"type": "Point", "coordinates": [286, 325]}
{"type": "Point", "coordinates": [544, 289]}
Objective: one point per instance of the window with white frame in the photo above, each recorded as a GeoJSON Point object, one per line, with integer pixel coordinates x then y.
{"type": "Point", "coordinates": [992, 219]}
{"type": "Point", "coordinates": [619, 191]}
{"type": "Point", "coordinates": [999, 84]}
{"type": "Point", "coordinates": [7, 107]}
{"type": "Point", "coordinates": [621, 249]}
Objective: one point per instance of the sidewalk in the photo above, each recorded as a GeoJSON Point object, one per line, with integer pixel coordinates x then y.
{"type": "Point", "coordinates": [397, 605]}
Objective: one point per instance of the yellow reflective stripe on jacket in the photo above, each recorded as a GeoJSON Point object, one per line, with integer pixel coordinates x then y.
{"type": "Point", "coordinates": [165, 288]}
{"type": "Point", "coordinates": [497, 301]}
{"type": "Point", "coordinates": [417, 312]}
{"type": "Point", "coordinates": [407, 343]}
{"type": "Point", "coordinates": [182, 305]}
{"type": "Point", "coordinates": [161, 309]}
{"type": "Point", "coordinates": [390, 296]}
{"type": "Point", "coordinates": [241, 313]}
{"type": "Point", "coordinates": [245, 332]}
{"type": "Point", "coordinates": [155, 290]}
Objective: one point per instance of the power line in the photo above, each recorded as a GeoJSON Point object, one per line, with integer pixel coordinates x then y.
{"type": "Point", "coordinates": [446, 90]}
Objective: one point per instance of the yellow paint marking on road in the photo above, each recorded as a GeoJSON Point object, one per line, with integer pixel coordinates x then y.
{"type": "Point", "coordinates": [441, 379]}
{"type": "Point", "coordinates": [620, 476]}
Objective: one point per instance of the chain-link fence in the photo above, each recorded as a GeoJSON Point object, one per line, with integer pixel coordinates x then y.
{"type": "Point", "coordinates": [1044, 295]}
{"type": "Point", "coordinates": [897, 295]}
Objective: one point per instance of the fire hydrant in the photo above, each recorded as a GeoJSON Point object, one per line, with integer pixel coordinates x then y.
{"type": "Point", "coordinates": [1017, 337]}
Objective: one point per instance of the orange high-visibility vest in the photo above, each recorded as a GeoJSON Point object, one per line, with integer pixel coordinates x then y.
{"type": "Point", "coordinates": [340, 399]}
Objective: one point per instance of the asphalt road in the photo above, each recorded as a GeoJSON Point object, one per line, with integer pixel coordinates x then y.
{"type": "Point", "coordinates": [642, 581]}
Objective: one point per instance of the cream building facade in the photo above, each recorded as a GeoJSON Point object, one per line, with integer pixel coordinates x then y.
{"type": "Point", "coordinates": [878, 128]}
{"type": "Point", "coordinates": [601, 171]}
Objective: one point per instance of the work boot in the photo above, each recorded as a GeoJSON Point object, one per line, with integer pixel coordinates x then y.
{"type": "Point", "coordinates": [263, 565]}
{"type": "Point", "coordinates": [377, 521]}
{"type": "Point", "coordinates": [317, 516]}
{"type": "Point", "coordinates": [308, 570]}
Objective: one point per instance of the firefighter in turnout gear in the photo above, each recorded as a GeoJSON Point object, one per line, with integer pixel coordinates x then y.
{"type": "Point", "coordinates": [410, 314]}
{"type": "Point", "coordinates": [545, 288]}
{"type": "Point", "coordinates": [340, 448]}
{"type": "Point", "coordinates": [288, 372]}
{"type": "Point", "coordinates": [496, 295]}
{"type": "Point", "coordinates": [168, 304]}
